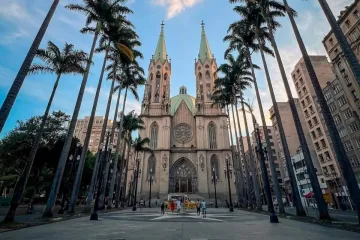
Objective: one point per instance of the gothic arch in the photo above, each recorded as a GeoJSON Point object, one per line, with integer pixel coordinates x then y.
{"type": "Point", "coordinates": [212, 135]}
{"type": "Point", "coordinates": [200, 77]}
{"type": "Point", "coordinates": [151, 76]}
{"type": "Point", "coordinates": [207, 75]}
{"type": "Point", "coordinates": [166, 76]}
{"type": "Point", "coordinates": [151, 166]}
{"type": "Point", "coordinates": [183, 177]}
{"type": "Point", "coordinates": [154, 132]}
{"type": "Point", "coordinates": [215, 164]}
{"type": "Point", "coordinates": [158, 75]}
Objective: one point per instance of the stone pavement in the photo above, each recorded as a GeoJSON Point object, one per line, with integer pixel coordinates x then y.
{"type": "Point", "coordinates": [148, 224]}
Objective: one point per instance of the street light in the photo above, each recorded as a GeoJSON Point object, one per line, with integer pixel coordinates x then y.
{"type": "Point", "coordinates": [214, 181]}
{"type": "Point", "coordinates": [259, 149]}
{"type": "Point", "coordinates": [68, 179]}
{"type": "Point", "coordinates": [94, 215]}
{"type": "Point", "coordinates": [137, 171]}
{"type": "Point", "coordinates": [228, 174]}
{"type": "Point", "coordinates": [150, 182]}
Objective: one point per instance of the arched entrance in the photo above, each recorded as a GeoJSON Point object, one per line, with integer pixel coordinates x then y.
{"type": "Point", "coordinates": [183, 177]}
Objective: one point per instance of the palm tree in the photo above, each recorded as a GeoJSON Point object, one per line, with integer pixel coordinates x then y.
{"type": "Point", "coordinates": [341, 156]}
{"type": "Point", "coordinates": [242, 39]}
{"type": "Point", "coordinates": [68, 61]}
{"type": "Point", "coordinates": [104, 13]}
{"type": "Point", "coordinates": [266, 11]}
{"type": "Point", "coordinates": [139, 145]}
{"type": "Point", "coordinates": [23, 71]}
{"type": "Point", "coordinates": [347, 50]}
{"type": "Point", "coordinates": [123, 30]}
{"type": "Point", "coordinates": [131, 122]}
{"type": "Point", "coordinates": [238, 79]}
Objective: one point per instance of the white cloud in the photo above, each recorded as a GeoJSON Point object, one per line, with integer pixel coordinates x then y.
{"type": "Point", "coordinates": [174, 7]}
{"type": "Point", "coordinates": [338, 5]}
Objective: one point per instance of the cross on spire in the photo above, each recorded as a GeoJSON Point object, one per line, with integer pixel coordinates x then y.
{"type": "Point", "coordinates": [162, 25]}
{"type": "Point", "coordinates": [202, 24]}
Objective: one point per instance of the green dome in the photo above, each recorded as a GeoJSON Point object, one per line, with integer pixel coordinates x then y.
{"type": "Point", "coordinates": [176, 101]}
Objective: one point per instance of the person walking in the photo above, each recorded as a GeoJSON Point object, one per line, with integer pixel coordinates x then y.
{"type": "Point", "coordinates": [162, 208]}
{"type": "Point", "coordinates": [198, 207]}
{"type": "Point", "coordinates": [203, 207]}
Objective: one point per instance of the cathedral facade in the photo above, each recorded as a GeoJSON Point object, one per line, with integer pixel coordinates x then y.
{"type": "Point", "coordinates": [189, 135]}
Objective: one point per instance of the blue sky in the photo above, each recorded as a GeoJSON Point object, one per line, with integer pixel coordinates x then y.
{"type": "Point", "coordinates": [20, 20]}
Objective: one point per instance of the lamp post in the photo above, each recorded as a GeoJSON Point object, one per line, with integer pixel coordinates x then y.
{"type": "Point", "coordinates": [94, 215]}
{"type": "Point", "coordinates": [67, 182]}
{"type": "Point", "coordinates": [150, 182]}
{"type": "Point", "coordinates": [137, 170]}
{"type": "Point", "coordinates": [228, 174]}
{"type": "Point", "coordinates": [130, 191]}
{"type": "Point", "coordinates": [214, 181]}
{"type": "Point", "coordinates": [259, 149]}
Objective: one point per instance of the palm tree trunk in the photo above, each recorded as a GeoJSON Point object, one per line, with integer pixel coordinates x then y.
{"type": "Point", "coordinates": [121, 170]}
{"type": "Point", "coordinates": [118, 188]}
{"type": "Point", "coordinates": [252, 164]}
{"type": "Point", "coordinates": [239, 172]}
{"type": "Point", "coordinates": [113, 177]}
{"type": "Point", "coordinates": [126, 172]}
{"type": "Point", "coordinates": [322, 207]}
{"type": "Point", "coordinates": [23, 71]}
{"type": "Point", "coordinates": [344, 44]}
{"type": "Point", "coordinates": [98, 155]}
{"type": "Point", "coordinates": [76, 186]}
{"type": "Point", "coordinates": [341, 156]}
{"type": "Point", "coordinates": [21, 184]}
{"type": "Point", "coordinates": [65, 151]}
{"type": "Point", "coordinates": [120, 131]}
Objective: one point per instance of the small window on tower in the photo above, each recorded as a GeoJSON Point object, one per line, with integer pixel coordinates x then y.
{"type": "Point", "coordinates": [207, 66]}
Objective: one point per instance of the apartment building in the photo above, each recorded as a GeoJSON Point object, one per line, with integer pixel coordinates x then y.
{"type": "Point", "coordinates": [81, 130]}
{"type": "Point", "coordinates": [312, 114]}
{"type": "Point", "coordinates": [347, 122]}
{"type": "Point", "coordinates": [273, 153]}
{"type": "Point", "coordinates": [292, 137]}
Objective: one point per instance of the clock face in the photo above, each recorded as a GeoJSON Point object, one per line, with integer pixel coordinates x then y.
{"type": "Point", "coordinates": [183, 133]}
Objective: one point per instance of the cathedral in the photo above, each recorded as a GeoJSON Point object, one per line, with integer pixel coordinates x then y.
{"type": "Point", "coordinates": [189, 135]}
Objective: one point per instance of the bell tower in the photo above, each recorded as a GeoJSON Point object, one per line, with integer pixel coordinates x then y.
{"type": "Point", "coordinates": [205, 73]}
{"type": "Point", "coordinates": [157, 90]}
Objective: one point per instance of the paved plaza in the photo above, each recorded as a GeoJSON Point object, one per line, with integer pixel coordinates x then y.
{"type": "Point", "coordinates": [149, 224]}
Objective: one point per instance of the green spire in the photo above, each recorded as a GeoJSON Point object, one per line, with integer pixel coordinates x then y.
{"type": "Point", "coordinates": [205, 52]}
{"type": "Point", "coordinates": [160, 52]}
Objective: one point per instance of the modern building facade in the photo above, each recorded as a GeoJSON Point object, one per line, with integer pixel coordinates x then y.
{"type": "Point", "coordinates": [189, 135]}
{"type": "Point", "coordinates": [81, 130]}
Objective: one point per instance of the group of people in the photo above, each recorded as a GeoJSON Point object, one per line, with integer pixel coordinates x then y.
{"type": "Point", "coordinates": [200, 207]}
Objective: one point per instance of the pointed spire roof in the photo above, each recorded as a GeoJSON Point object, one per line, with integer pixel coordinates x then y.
{"type": "Point", "coordinates": [160, 52]}
{"type": "Point", "coordinates": [205, 52]}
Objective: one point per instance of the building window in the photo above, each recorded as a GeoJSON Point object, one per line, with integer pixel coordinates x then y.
{"type": "Point", "coordinates": [337, 89]}
{"type": "Point", "coordinates": [310, 124]}
{"type": "Point", "coordinates": [301, 81]}
{"type": "Point", "coordinates": [331, 41]}
{"type": "Point", "coordinates": [347, 80]}
{"type": "Point", "coordinates": [311, 110]}
{"type": "Point", "coordinates": [319, 131]}
{"type": "Point", "coordinates": [297, 86]}
{"type": "Point", "coordinates": [327, 96]}
{"type": "Point", "coordinates": [348, 147]}
{"type": "Point", "coordinates": [317, 146]}
{"type": "Point", "coordinates": [316, 122]}
{"type": "Point", "coordinates": [332, 107]}
{"type": "Point", "coordinates": [313, 135]}
{"type": "Point", "coordinates": [303, 103]}
{"type": "Point", "coordinates": [354, 161]}
{"type": "Point", "coordinates": [212, 135]}
{"type": "Point", "coordinates": [354, 127]}
{"type": "Point", "coordinates": [358, 143]}
{"type": "Point", "coordinates": [304, 90]}
{"type": "Point", "coordinates": [154, 135]}
{"type": "Point", "coordinates": [342, 132]}
{"type": "Point", "coordinates": [323, 143]}
{"type": "Point", "coordinates": [347, 23]}
{"type": "Point", "coordinates": [327, 156]}
{"type": "Point", "coordinates": [356, 14]}
{"type": "Point", "coordinates": [342, 101]}
{"type": "Point", "coordinates": [355, 95]}
{"type": "Point", "coordinates": [308, 99]}
{"type": "Point", "coordinates": [348, 113]}
{"type": "Point", "coordinates": [321, 158]}
{"type": "Point", "coordinates": [337, 119]}
{"type": "Point", "coordinates": [151, 166]}
{"type": "Point", "coordinates": [306, 113]}
{"type": "Point", "coordinates": [355, 35]}
{"type": "Point", "coordinates": [215, 165]}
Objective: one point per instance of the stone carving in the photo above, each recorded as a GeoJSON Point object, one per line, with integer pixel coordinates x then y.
{"type": "Point", "coordinates": [201, 161]}
{"type": "Point", "coordinates": [183, 133]}
{"type": "Point", "coordinates": [224, 125]}
{"type": "Point", "coordinates": [164, 161]}
{"type": "Point", "coordinates": [166, 126]}
{"type": "Point", "coordinates": [200, 126]}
